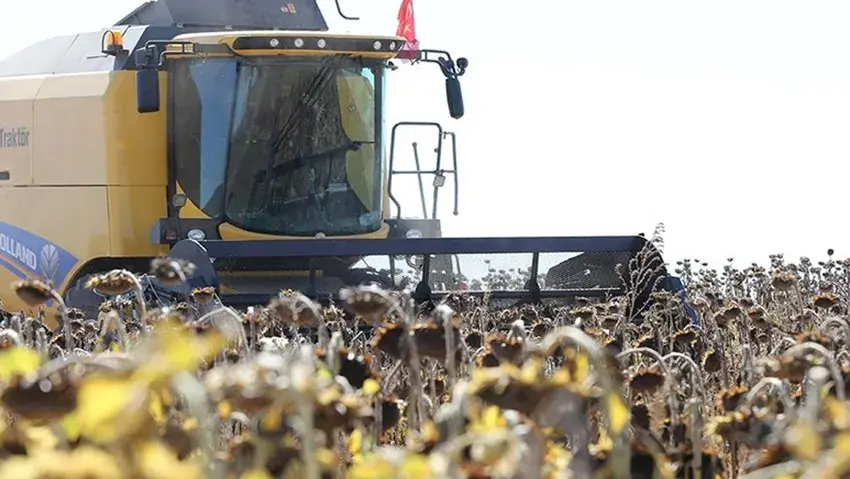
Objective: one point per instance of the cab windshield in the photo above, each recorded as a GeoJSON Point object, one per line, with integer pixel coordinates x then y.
{"type": "Point", "coordinates": [284, 147]}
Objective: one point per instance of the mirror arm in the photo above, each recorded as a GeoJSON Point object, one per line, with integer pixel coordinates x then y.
{"type": "Point", "coordinates": [154, 53]}
{"type": "Point", "coordinates": [444, 61]}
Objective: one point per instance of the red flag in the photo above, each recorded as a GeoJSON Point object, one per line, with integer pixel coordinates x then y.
{"type": "Point", "coordinates": [407, 30]}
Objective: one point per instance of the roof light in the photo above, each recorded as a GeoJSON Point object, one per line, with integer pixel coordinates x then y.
{"type": "Point", "coordinates": [377, 44]}
{"type": "Point", "coordinates": [321, 43]}
{"type": "Point", "coordinates": [112, 42]}
{"type": "Point", "coordinates": [299, 42]}
{"type": "Point", "coordinates": [115, 38]}
{"type": "Point", "coordinates": [274, 42]}
{"type": "Point", "coordinates": [392, 45]}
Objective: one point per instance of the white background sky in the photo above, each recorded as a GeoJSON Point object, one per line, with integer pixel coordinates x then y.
{"type": "Point", "coordinates": [726, 120]}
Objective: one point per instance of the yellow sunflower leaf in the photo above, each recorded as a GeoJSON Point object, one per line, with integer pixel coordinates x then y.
{"type": "Point", "coordinates": [373, 467]}
{"type": "Point", "coordinates": [371, 387]}
{"type": "Point", "coordinates": [491, 418]}
{"type": "Point", "coordinates": [40, 439]}
{"type": "Point", "coordinates": [185, 351]}
{"type": "Point", "coordinates": [618, 413]}
{"type": "Point", "coordinates": [256, 473]}
{"type": "Point", "coordinates": [225, 409]}
{"type": "Point", "coordinates": [109, 407]}
{"type": "Point", "coordinates": [581, 367]}
{"type": "Point", "coordinates": [841, 443]}
{"type": "Point", "coordinates": [531, 370]}
{"type": "Point", "coordinates": [156, 409]}
{"type": "Point", "coordinates": [838, 411]}
{"type": "Point", "coordinates": [803, 441]}
{"type": "Point", "coordinates": [415, 466]}
{"type": "Point", "coordinates": [355, 442]}
{"type": "Point", "coordinates": [178, 350]}
{"type": "Point", "coordinates": [70, 425]}
{"type": "Point", "coordinates": [156, 461]}
{"type": "Point", "coordinates": [18, 361]}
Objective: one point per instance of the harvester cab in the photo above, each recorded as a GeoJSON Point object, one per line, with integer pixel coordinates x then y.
{"type": "Point", "coordinates": [247, 138]}
{"type": "Point", "coordinates": [285, 122]}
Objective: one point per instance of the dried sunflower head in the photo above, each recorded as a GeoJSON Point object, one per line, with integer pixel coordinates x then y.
{"type": "Point", "coordinates": [783, 280]}
{"type": "Point", "coordinates": [584, 313]}
{"type": "Point", "coordinates": [646, 380]}
{"type": "Point", "coordinates": [356, 369]}
{"type": "Point", "coordinates": [814, 337]}
{"type": "Point", "coordinates": [171, 271]}
{"type": "Point", "coordinates": [48, 394]}
{"type": "Point", "coordinates": [758, 318]}
{"type": "Point", "coordinates": [648, 340]}
{"type": "Point", "coordinates": [729, 399]}
{"type": "Point", "coordinates": [430, 339]}
{"type": "Point", "coordinates": [113, 283]}
{"type": "Point", "coordinates": [731, 313]}
{"type": "Point", "coordinates": [33, 292]}
{"type": "Point", "coordinates": [711, 361]}
{"type": "Point", "coordinates": [203, 295]}
{"type": "Point", "coordinates": [540, 329]}
{"type": "Point", "coordinates": [685, 336]}
{"type": "Point", "coordinates": [295, 309]}
{"type": "Point", "coordinates": [506, 349]}
{"type": "Point", "coordinates": [369, 302]}
{"type": "Point", "coordinates": [474, 340]}
{"type": "Point", "coordinates": [389, 339]}
{"type": "Point", "coordinates": [792, 369]}
{"type": "Point", "coordinates": [487, 360]}
{"type": "Point", "coordinates": [825, 300]}
{"type": "Point", "coordinates": [640, 416]}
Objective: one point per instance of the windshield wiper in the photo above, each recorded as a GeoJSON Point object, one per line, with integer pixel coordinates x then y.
{"type": "Point", "coordinates": [299, 162]}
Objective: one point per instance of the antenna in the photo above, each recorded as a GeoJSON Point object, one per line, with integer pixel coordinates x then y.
{"type": "Point", "coordinates": [339, 10]}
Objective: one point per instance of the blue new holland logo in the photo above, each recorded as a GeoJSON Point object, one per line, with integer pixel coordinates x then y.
{"type": "Point", "coordinates": [31, 256]}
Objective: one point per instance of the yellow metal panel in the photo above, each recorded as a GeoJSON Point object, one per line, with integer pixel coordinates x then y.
{"type": "Point", "coordinates": [357, 110]}
{"type": "Point", "coordinates": [386, 189]}
{"type": "Point", "coordinates": [16, 129]}
{"type": "Point", "coordinates": [230, 232]}
{"type": "Point", "coordinates": [71, 219]}
{"type": "Point", "coordinates": [191, 210]}
{"type": "Point", "coordinates": [69, 120]}
{"type": "Point", "coordinates": [133, 210]}
{"type": "Point", "coordinates": [135, 143]}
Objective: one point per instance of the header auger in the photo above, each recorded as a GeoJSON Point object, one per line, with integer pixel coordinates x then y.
{"type": "Point", "coordinates": [249, 140]}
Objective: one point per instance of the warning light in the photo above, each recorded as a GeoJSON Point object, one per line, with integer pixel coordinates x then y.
{"type": "Point", "coordinates": [112, 42]}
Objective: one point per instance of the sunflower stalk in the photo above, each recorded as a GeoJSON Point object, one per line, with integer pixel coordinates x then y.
{"type": "Point", "coordinates": [621, 453]}
{"type": "Point", "coordinates": [193, 391]}
{"type": "Point", "coordinates": [669, 386]}
{"type": "Point", "coordinates": [827, 357]}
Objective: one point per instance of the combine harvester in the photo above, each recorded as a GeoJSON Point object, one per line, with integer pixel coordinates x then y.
{"type": "Point", "coordinates": [246, 138]}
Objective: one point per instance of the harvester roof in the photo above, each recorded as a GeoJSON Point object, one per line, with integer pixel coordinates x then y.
{"type": "Point", "coordinates": [161, 20]}
{"type": "Point", "coordinates": [230, 14]}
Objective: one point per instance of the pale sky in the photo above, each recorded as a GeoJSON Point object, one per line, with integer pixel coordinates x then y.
{"type": "Point", "coordinates": [726, 120]}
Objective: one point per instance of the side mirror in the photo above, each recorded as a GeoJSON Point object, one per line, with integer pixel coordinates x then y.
{"type": "Point", "coordinates": [454, 97]}
{"type": "Point", "coordinates": [462, 65]}
{"type": "Point", "coordinates": [147, 90]}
